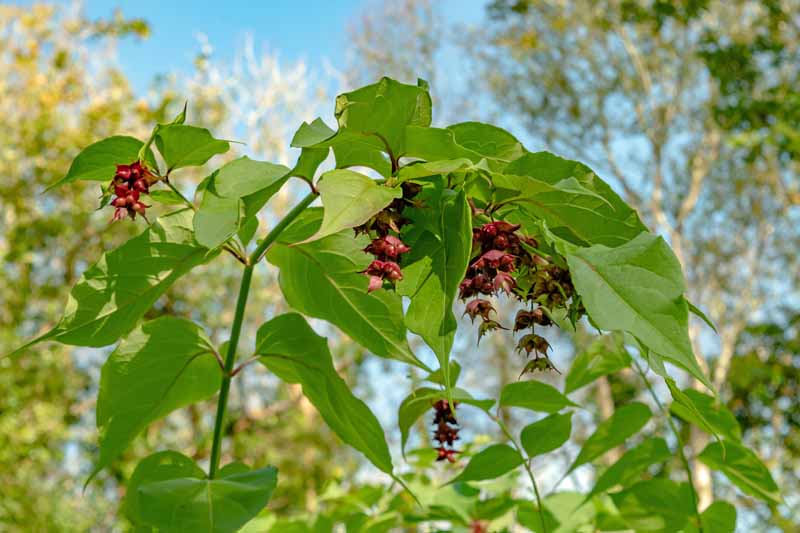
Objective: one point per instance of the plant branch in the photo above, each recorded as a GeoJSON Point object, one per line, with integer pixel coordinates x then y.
{"type": "Point", "coordinates": [236, 328]}
{"type": "Point", "coordinates": [188, 202]}
{"type": "Point", "coordinates": [681, 453]}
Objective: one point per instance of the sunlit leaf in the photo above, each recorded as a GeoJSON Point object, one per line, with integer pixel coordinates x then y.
{"type": "Point", "coordinates": [295, 353]}
{"type": "Point", "coordinates": [626, 421]}
{"type": "Point", "coordinates": [630, 466]}
{"type": "Point", "coordinates": [490, 463]}
{"type": "Point", "coordinates": [534, 395]}
{"type": "Point", "coordinates": [187, 146]}
{"type": "Point", "coordinates": [547, 434]}
{"type": "Point", "coordinates": [743, 468]}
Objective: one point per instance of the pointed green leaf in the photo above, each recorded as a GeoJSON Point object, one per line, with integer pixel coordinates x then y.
{"type": "Point", "coordinates": [321, 279]}
{"type": "Point", "coordinates": [112, 295]}
{"type": "Point", "coordinates": [162, 365]}
{"type": "Point", "coordinates": [166, 197]}
{"type": "Point", "coordinates": [630, 466]}
{"type": "Point", "coordinates": [160, 466]}
{"type": "Point", "coordinates": [187, 146]}
{"type": "Point", "coordinates": [490, 463]}
{"type": "Point", "coordinates": [625, 422]}
{"type": "Point", "coordinates": [534, 395]}
{"type": "Point", "coordinates": [98, 161]}
{"type": "Point", "coordinates": [295, 353]}
{"type": "Point", "coordinates": [232, 197]}
{"type": "Point", "coordinates": [349, 199]}
{"type": "Point", "coordinates": [655, 505]}
{"type": "Point", "coordinates": [244, 176]}
{"type": "Point", "coordinates": [217, 219]}
{"type": "Point", "coordinates": [547, 434]}
{"type": "Point", "coordinates": [220, 505]}
{"type": "Point", "coordinates": [487, 140]}
{"type": "Point", "coordinates": [743, 468]}
{"type": "Point", "coordinates": [699, 313]}
{"type": "Point", "coordinates": [604, 356]}
{"type": "Point", "coordinates": [307, 135]}
{"type": "Point", "coordinates": [383, 109]}
{"type": "Point", "coordinates": [705, 412]}
{"type": "Point", "coordinates": [434, 268]}
{"type": "Point", "coordinates": [638, 287]}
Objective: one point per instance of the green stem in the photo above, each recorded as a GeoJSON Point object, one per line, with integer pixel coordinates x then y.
{"type": "Point", "coordinates": [230, 359]}
{"type": "Point", "coordinates": [527, 463]}
{"type": "Point", "coordinates": [681, 453]}
{"type": "Point", "coordinates": [179, 193]}
{"type": "Point", "coordinates": [236, 328]}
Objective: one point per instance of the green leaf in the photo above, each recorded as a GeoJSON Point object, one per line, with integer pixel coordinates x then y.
{"type": "Point", "coordinates": [217, 219]}
{"type": "Point", "coordinates": [655, 505]}
{"type": "Point", "coordinates": [244, 176]}
{"type": "Point", "coordinates": [220, 505]}
{"type": "Point", "coordinates": [705, 412]}
{"type": "Point", "coordinates": [187, 146]}
{"type": "Point", "coordinates": [534, 395]}
{"type": "Point", "coordinates": [437, 376]}
{"type": "Point", "coordinates": [572, 211]}
{"type": "Point", "coordinates": [98, 161]}
{"type": "Point", "coordinates": [159, 466]}
{"type": "Point", "coordinates": [638, 287]}
{"type": "Point", "coordinates": [625, 422]}
{"type": "Point", "coordinates": [490, 463]}
{"type": "Point", "coordinates": [349, 199]}
{"type": "Point", "coordinates": [112, 295]}
{"type": "Point", "coordinates": [295, 353]}
{"type": "Point", "coordinates": [699, 313]}
{"type": "Point", "coordinates": [422, 169]}
{"type": "Point", "coordinates": [382, 110]}
{"type": "Point", "coordinates": [307, 135]}
{"type": "Point", "coordinates": [720, 517]}
{"type": "Point", "coordinates": [232, 197]}
{"type": "Point", "coordinates": [630, 466]}
{"type": "Point", "coordinates": [434, 268]}
{"type": "Point", "coordinates": [487, 140]}
{"type": "Point", "coordinates": [553, 169]}
{"type": "Point", "coordinates": [162, 365]}
{"type": "Point", "coordinates": [321, 279]}
{"type": "Point", "coordinates": [547, 434]}
{"type": "Point", "coordinates": [604, 356]}
{"type": "Point", "coordinates": [528, 515]}
{"type": "Point", "coordinates": [421, 401]}
{"type": "Point", "coordinates": [743, 468]}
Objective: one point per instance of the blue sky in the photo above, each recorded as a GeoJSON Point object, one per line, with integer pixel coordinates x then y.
{"type": "Point", "coordinates": [312, 30]}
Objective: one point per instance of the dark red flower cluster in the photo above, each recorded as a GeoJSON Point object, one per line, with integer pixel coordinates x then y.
{"type": "Point", "coordinates": [130, 181]}
{"type": "Point", "coordinates": [446, 430]}
{"type": "Point", "coordinates": [386, 246]}
{"type": "Point", "coordinates": [504, 263]}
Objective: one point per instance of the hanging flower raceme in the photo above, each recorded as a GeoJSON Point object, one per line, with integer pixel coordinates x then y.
{"type": "Point", "coordinates": [504, 264]}
{"type": "Point", "coordinates": [386, 246]}
{"type": "Point", "coordinates": [445, 431]}
{"type": "Point", "coordinates": [129, 183]}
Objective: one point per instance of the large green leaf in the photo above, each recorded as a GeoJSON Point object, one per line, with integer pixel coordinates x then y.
{"type": "Point", "coordinates": [630, 466]}
{"type": "Point", "coordinates": [547, 434]}
{"type": "Point", "coordinates": [705, 412]}
{"type": "Point", "coordinates": [160, 466]}
{"type": "Point", "coordinates": [638, 288]}
{"type": "Point", "coordinates": [112, 295]}
{"type": "Point", "coordinates": [534, 395]}
{"type": "Point", "coordinates": [719, 517]}
{"type": "Point", "coordinates": [604, 356]}
{"type": "Point", "coordinates": [295, 353]}
{"type": "Point", "coordinates": [571, 210]}
{"type": "Point", "coordinates": [321, 279]}
{"type": "Point", "coordinates": [98, 161]}
{"type": "Point", "coordinates": [487, 140]}
{"type": "Point", "coordinates": [421, 401]}
{"type": "Point", "coordinates": [187, 146]}
{"type": "Point", "coordinates": [194, 503]}
{"type": "Point", "coordinates": [233, 195]}
{"type": "Point", "coordinates": [162, 365]}
{"type": "Point", "coordinates": [490, 463]}
{"type": "Point", "coordinates": [349, 199]}
{"type": "Point", "coordinates": [655, 505]}
{"type": "Point", "coordinates": [473, 141]}
{"type": "Point", "coordinates": [550, 168]}
{"type": "Point", "coordinates": [743, 467]}
{"type": "Point", "coordinates": [383, 109]}
{"type": "Point", "coordinates": [434, 268]}
{"type": "Point", "coordinates": [626, 421]}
